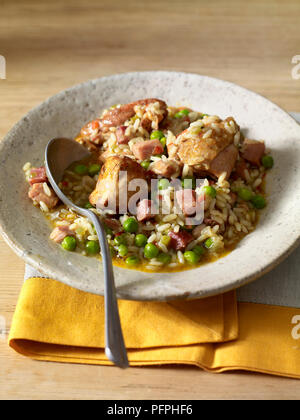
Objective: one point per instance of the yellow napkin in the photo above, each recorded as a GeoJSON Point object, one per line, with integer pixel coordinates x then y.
{"type": "Point", "coordinates": [55, 322]}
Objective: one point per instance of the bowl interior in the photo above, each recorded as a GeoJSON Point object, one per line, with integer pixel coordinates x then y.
{"type": "Point", "coordinates": [277, 233]}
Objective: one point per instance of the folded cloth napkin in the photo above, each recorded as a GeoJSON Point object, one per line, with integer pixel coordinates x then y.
{"type": "Point", "coordinates": [55, 322]}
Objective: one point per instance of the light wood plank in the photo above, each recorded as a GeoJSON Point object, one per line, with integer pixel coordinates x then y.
{"type": "Point", "coordinates": [52, 45]}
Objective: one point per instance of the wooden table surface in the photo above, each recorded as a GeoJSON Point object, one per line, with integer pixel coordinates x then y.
{"type": "Point", "coordinates": [50, 46]}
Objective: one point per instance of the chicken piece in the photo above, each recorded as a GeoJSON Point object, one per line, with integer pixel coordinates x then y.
{"type": "Point", "coordinates": [166, 168]}
{"type": "Point", "coordinates": [37, 175]}
{"type": "Point", "coordinates": [110, 153]}
{"type": "Point", "coordinates": [92, 133]}
{"type": "Point", "coordinates": [106, 193]}
{"type": "Point", "coordinates": [105, 155]}
{"type": "Point", "coordinates": [38, 192]}
{"type": "Point", "coordinates": [253, 151]}
{"type": "Point", "coordinates": [172, 151]}
{"type": "Point", "coordinates": [117, 116]}
{"type": "Point", "coordinates": [145, 149]}
{"type": "Point", "coordinates": [60, 232]}
{"type": "Point", "coordinates": [144, 210]}
{"type": "Point", "coordinates": [201, 146]}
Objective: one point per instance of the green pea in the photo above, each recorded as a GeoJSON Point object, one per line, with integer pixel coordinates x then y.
{"type": "Point", "coordinates": [209, 243]}
{"type": "Point", "coordinates": [185, 111]}
{"type": "Point", "coordinates": [258, 202]}
{"type": "Point", "coordinates": [199, 250]}
{"type": "Point", "coordinates": [163, 141]}
{"type": "Point", "coordinates": [203, 115]}
{"type": "Point", "coordinates": [182, 113]}
{"type": "Point", "coordinates": [165, 240]}
{"type": "Point", "coordinates": [131, 225]}
{"type": "Point", "coordinates": [245, 194]}
{"type": "Point", "coordinates": [88, 206]}
{"type": "Point", "coordinates": [141, 240]}
{"type": "Point", "coordinates": [164, 258]}
{"type": "Point", "coordinates": [69, 243]}
{"type": "Point", "coordinates": [145, 164]}
{"type": "Point", "coordinates": [92, 247]}
{"type": "Point", "coordinates": [122, 250]}
{"type": "Point", "coordinates": [189, 183]}
{"type": "Point", "coordinates": [120, 239]}
{"type": "Point", "coordinates": [81, 169]}
{"type": "Point", "coordinates": [211, 191]}
{"type": "Point", "coordinates": [267, 161]}
{"type": "Point", "coordinates": [191, 257]}
{"type": "Point", "coordinates": [132, 261]}
{"type": "Point", "coordinates": [94, 169]}
{"type": "Point", "coordinates": [151, 251]}
{"type": "Point", "coordinates": [163, 184]}
{"type": "Point", "coordinates": [156, 134]}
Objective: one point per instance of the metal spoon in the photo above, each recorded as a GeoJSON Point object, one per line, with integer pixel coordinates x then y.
{"type": "Point", "coordinates": [59, 155]}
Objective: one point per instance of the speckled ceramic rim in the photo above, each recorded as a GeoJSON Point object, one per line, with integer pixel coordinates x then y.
{"type": "Point", "coordinates": [161, 287]}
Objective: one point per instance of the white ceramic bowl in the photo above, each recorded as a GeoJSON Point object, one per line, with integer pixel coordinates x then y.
{"type": "Point", "coordinates": [277, 234]}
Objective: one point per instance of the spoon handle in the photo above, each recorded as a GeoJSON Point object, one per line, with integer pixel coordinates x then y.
{"type": "Point", "coordinates": [115, 348]}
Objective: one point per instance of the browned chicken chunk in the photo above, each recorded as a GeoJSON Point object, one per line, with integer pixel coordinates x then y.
{"type": "Point", "coordinates": [117, 116]}
{"type": "Point", "coordinates": [208, 147]}
{"type": "Point", "coordinates": [92, 133]}
{"type": "Point", "coordinates": [110, 183]}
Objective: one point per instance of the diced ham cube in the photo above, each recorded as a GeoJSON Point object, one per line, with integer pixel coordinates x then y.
{"type": "Point", "coordinates": [186, 200]}
{"type": "Point", "coordinates": [145, 149]}
{"type": "Point", "coordinates": [144, 210]}
{"type": "Point", "coordinates": [253, 151]}
{"type": "Point", "coordinates": [112, 223]}
{"type": "Point", "coordinates": [240, 168]}
{"type": "Point", "coordinates": [120, 134]}
{"type": "Point", "coordinates": [180, 240]}
{"type": "Point", "coordinates": [37, 193]}
{"type": "Point", "coordinates": [37, 175]}
{"type": "Point", "coordinates": [224, 162]}
{"type": "Point", "coordinates": [60, 232]}
{"type": "Point", "coordinates": [165, 168]}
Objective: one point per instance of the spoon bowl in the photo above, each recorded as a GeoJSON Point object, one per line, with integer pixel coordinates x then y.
{"type": "Point", "coordinates": [59, 155]}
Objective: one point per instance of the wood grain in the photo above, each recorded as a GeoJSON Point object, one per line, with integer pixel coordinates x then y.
{"type": "Point", "coordinates": [52, 45]}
